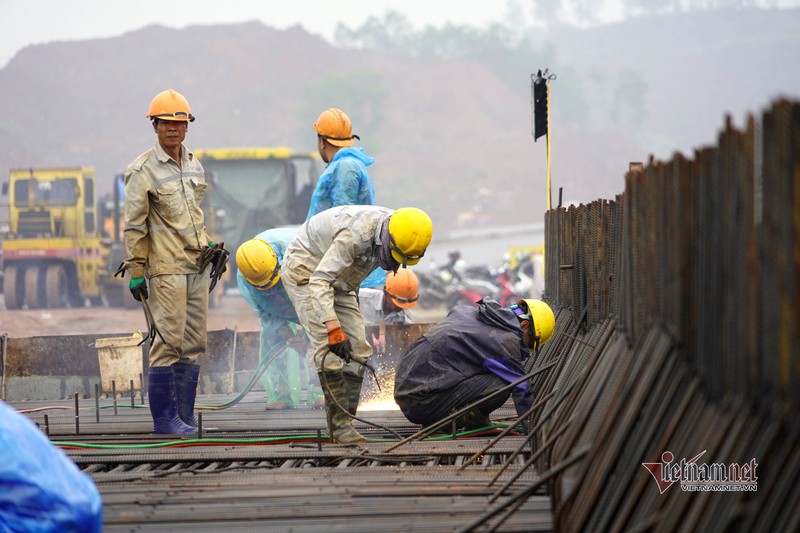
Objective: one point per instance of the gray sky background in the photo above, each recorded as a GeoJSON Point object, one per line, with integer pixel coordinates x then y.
{"type": "Point", "coordinates": [24, 22]}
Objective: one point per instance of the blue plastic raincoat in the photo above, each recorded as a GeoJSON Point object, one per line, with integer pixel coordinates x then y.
{"type": "Point", "coordinates": [346, 182]}
{"type": "Point", "coordinates": [41, 489]}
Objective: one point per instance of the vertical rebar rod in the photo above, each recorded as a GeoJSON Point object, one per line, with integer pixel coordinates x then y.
{"type": "Point", "coordinates": [97, 403]}
{"type": "Point", "coordinates": [77, 416]}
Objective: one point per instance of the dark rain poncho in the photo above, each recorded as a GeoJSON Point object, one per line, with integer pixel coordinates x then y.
{"type": "Point", "coordinates": [437, 372]}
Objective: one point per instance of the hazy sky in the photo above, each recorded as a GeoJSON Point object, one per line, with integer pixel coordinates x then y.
{"type": "Point", "coordinates": [24, 22]}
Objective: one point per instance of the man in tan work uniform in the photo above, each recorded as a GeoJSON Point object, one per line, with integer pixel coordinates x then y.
{"type": "Point", "coordinates": [165, 237]}
{"type": "Point", "coordinates": [322, 269]}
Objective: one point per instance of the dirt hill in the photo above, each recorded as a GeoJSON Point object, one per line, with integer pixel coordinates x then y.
{"type": "Point", "coordinates": [452, 138]}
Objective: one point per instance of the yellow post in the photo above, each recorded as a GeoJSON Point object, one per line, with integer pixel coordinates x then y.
{"type": "Point", "coordinates": [549, 193]}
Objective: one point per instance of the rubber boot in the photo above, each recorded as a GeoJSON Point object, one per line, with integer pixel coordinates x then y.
{"type": "Point", "coordinates": [340, 426]}
{"type": "Point", "coordinates": [314, 397]}
{"type": "Point", "coordinates": [352, 384]}
{"type": "Point", "coordinates": [473, 420]}
{"type": "Point", "coordinates": [163, 402]}
{"type": "Point", "coordinates": [315, 400]}
{"type": "Point", "coordinates": [281, 380]}
{"type": "Point", "coordinates": [186, 375]}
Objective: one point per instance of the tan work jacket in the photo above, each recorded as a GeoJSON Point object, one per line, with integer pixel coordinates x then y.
{"type": "Point", "coordinates": [164, 226]}
{"type": "Point", "coordinates": [334, 251]}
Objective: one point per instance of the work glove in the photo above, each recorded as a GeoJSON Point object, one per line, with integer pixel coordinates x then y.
{"type": "Point", "coordinates": [138, 287]}
{"type": "Point", "coordinates": [339, 344]}
{"type": "Point", "coordinates": [216, 255]}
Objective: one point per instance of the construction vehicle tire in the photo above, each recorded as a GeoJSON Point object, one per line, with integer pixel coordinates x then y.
{"type": "Point", "coordinates": [13, 287]}
{"type": "Point", "coordinates": [34, 296]}
{"type": "Point", "coordinates": [56, 289]}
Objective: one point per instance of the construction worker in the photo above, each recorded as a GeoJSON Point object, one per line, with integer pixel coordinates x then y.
{"type": "Point", "coordinates": [259, 279]}
{"type": "Point", "coordinates": [475, 351]}
{"type": "Point", "coordinates": [345, 180]}
{"type": "Point", "coordinates": [392, 304]}
{"type": "Point", "coordinates": [322, 269]}
{"type": "Point", "coordinates": [168, 257]}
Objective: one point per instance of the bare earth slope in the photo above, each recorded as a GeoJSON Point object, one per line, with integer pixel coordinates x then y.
{"type": "Point", "coordinates": [451, 137]}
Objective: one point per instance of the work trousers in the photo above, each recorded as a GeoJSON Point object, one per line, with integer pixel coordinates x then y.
{"type": "Point", "coordinates": [440, 404]}
{"type": "Point", "coordinates": [179, 303]}
{"type": "Point", "coordinates": [289, 373]}
{"type": "Point", "coordinates": [345, 304]}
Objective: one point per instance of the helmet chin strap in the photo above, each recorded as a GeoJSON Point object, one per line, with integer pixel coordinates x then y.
{"type": "Point", "coordinates": [385, 256]}
{"type": "Point", "coordinates": [532, 332]}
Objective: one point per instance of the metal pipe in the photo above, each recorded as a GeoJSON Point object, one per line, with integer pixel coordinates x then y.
{"type": "Point", "coordinates": [4, 339]}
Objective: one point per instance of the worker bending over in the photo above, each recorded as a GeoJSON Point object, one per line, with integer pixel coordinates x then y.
{"type": "Point", "coordinates": [475, 351]}
{"type": "Point", "coordinates": [322, 269]}
{"type": "Point", "coordinates": [259, 278]}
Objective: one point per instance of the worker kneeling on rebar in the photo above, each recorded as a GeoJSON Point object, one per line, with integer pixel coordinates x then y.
{"type": "Point", "coordinates": [471, 354]}
{"type": "Point", "coordinates": [323, 266]}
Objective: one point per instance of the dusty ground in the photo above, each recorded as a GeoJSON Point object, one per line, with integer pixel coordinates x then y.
{"type": "Point", "coordinates": [233, 313]}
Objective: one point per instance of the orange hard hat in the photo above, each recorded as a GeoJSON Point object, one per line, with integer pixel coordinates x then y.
{"type": "Point", "coordinates": [403, 287]}
{"type": "Point", "coordinates": [170, 105]}
{"type": "Point", "coordinates": [333, 125]}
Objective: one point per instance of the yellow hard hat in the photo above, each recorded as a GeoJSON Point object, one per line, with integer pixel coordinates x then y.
{"type": "Point", "coordinates": [257, 262]}
{"type": "Point", "coordinates": [410, 233]}
{"type": "Point", "coordinates": [543, 321]}
{"type": "Point", "coordinates": [170, 105]}
{"type": "Point", "coordinates": [333, 125]}
{"type": "Point", "coordinates": [403, 287]}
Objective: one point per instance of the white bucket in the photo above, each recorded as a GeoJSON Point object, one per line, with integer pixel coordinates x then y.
{"type": "Point", "coordinates": [120, 361]}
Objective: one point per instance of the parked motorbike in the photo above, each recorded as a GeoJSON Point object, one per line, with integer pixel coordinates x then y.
{"type": "Point", "coordinates": [454, 283]}
{"type": "Point", "coordinates": [469, 291]}
{"type": "Point", "coordinates": [435, 287]}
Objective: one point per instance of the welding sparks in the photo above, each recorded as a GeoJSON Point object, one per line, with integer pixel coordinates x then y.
{"type": "Point", "coordinates": [373, 399]}
{"type": "Point", "coordinates": [379, 405]}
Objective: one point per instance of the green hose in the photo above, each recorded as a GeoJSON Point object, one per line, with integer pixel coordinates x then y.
{"type": "Point", "coordinates": [262, 366]}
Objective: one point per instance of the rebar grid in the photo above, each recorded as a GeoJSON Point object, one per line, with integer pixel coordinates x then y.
{"type": "Point", "coordinates": [704, 353]}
